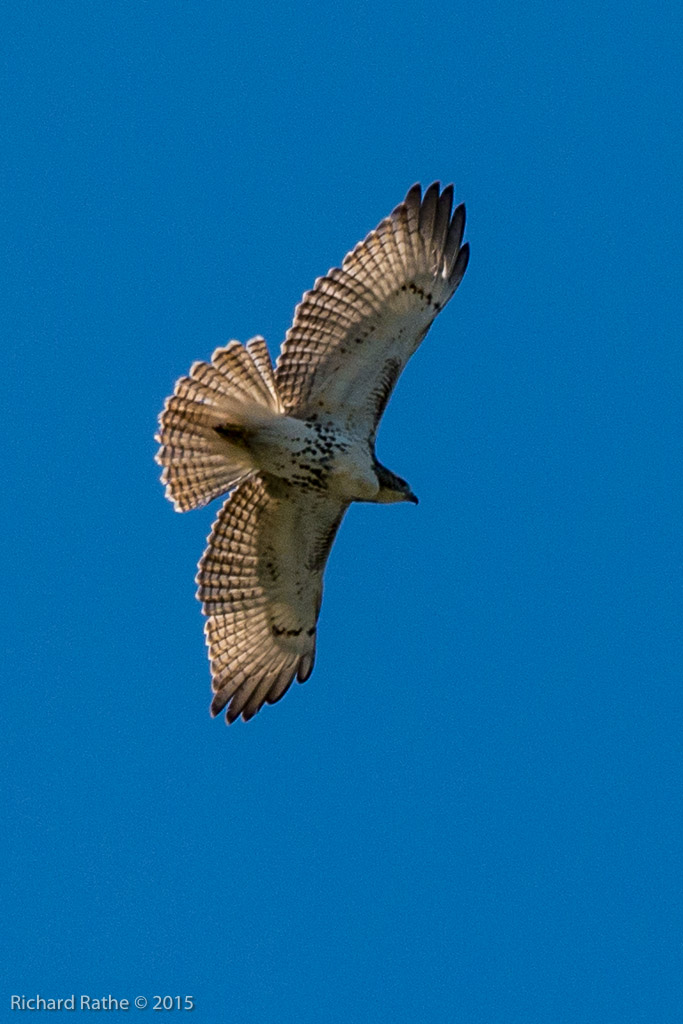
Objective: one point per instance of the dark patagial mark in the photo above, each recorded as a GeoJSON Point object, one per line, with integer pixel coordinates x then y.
{"type": "Point", "coordinates": [385, 385]}
{"type": "Point", "coordinates": [427, 296]}
{"type": "Point", "coordinates": [322, 546]}
{"type": "Point", "coordinates": [279, 631]}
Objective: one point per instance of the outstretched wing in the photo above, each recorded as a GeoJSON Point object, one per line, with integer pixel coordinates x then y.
{"type": "Point", "coordinates": [355, 331]}
{"type": "Point", "coordinates": [260, 583]}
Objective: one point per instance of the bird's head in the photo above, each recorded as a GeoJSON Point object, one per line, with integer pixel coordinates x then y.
{"type": "Point", "coordinates": [392, 488]}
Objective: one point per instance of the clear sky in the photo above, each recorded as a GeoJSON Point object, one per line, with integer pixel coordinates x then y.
{"type": "Point", "coordinates": [471, 812]}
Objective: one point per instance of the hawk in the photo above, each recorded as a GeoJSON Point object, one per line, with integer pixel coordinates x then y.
{"type": "Point", "coordinates": [294, 444]}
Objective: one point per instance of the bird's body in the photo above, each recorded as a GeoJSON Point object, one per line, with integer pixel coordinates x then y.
{"type": "Point", "coordinates": [315, 456]}
{"type": "Point", "coordinates": [296, 444]}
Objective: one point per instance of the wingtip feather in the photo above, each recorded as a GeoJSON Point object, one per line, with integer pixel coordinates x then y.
{"type": "Point", "coordinates": [305, 668]}
{"type": "Point", "coordinates": [461, 264]}
{"type": "Point", "coordinates": [413, 195]}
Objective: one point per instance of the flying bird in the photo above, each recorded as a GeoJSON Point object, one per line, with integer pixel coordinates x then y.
{"type": "Point", "coordinates": [294, 444]}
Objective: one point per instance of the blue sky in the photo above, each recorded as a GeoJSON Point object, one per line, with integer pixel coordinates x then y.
{"type": "Point", "coordinates": [471, 812]}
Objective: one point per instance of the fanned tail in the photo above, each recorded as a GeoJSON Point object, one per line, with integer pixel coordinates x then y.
{"type": "Point", "coordinates": [205, 424]}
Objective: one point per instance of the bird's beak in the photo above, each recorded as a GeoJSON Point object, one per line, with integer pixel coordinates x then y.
{"type": "Point", "coordinates": [412, 497]}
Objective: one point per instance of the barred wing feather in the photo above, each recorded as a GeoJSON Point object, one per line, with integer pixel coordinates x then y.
{"type": "Point", "coordinates": [354, 332]}
{"type": "Point", "coordinates": [260, 583]}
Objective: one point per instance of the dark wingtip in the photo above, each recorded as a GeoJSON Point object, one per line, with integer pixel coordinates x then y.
{"type": "Point", "coordinates": [273, 700]}
{"type": "Point", "coordinates": [301, 677]}
{"type": "Point", "coordinates": [460, 265]}
{"type": "Point", "coordinates": [463, 258]}
{"type": "Point", "coordinates": [248, 715]}
{"type": "Point", "coordinates": [217, 705]}
{"type": "Point", "coordinates": [414, 194]}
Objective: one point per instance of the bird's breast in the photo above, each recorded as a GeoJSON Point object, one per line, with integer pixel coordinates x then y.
{"type": "Point", "coordinates": [317, 456]}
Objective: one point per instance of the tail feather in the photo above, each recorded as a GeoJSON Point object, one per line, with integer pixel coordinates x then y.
{"type": "Point", "coordinates": [258, 350]}
{"type": "Point", "coordinates": [238, 367]}
{"type": "Point", "coordinates": [203, 423]}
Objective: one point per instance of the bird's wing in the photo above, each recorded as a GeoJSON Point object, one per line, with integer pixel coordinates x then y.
{"type": "Point", "coordinates": [355, 331]}
{"type": "Point", "coordinates": [260, 583]}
